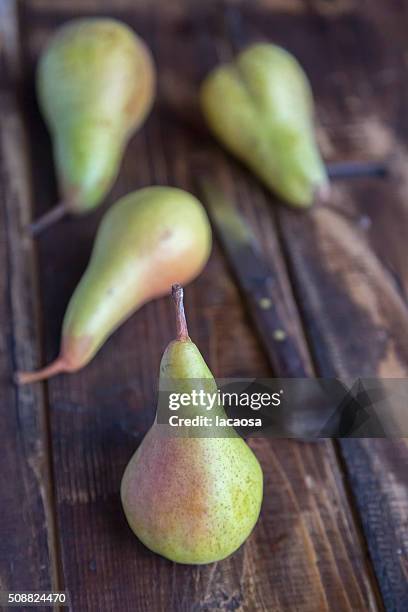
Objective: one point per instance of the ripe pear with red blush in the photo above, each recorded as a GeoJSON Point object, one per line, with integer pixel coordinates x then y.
{"type": "Point", "coordinates": [146, 241]}
{"type": "Point", "coordinates": [194, 496]}
{"type": "Point", "coordinates": [95, 85]}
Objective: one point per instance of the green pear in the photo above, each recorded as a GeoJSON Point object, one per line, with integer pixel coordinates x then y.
{"type": "Point", "coordinates": [193, 499]}
{"type": "Point", "coordinates": [95, 84]}
{"type": "Point", "coordinates": [260, 107]}
{"type": "Point", "coordinates": [146, 241]}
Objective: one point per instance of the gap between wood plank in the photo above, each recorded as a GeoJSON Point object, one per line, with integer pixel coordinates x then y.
{"type": "Point", "coordinates": [356, 517]}
{"type": "Point", "coordinates": [16, 226]}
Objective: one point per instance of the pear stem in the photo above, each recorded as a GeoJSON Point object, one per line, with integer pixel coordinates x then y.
{"type": "Point", "coordinates": [51, 217]}
{"type": "Point", "coordinates": [56, 367]}
{"type": "Point", "coordinates": [182, 330]}
{"type": "Point", "coordinates": [322, 194]}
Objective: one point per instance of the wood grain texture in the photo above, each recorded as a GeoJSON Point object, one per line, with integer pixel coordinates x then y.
{"type": "Point", "coordinates": [348, 259]}
{"type": "Point", "coordinates": [306, 553]}
{"type": "Point", "coordinates": [27, 550]}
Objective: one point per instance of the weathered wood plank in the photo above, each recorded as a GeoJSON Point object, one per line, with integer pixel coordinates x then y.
{"type": "Point", "coordinates": [27, 551]}
{"type": "Point", "coordinates": [348, 259]}
{"type": "Point", "coordinates": [305, 553]}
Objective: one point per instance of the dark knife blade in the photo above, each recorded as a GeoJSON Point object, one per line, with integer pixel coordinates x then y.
{"type": "Point", "coordinates": [258, 284]}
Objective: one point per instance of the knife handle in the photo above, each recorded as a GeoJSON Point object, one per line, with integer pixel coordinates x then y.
{"type": "Point", "coordinates": [283, 348]}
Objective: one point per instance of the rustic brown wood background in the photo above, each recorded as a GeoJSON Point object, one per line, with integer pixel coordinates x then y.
{"type": "Point", "coordinates": [333, 533]}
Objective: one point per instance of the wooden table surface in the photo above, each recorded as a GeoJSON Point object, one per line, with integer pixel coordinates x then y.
{"type": "Point", "coordinates": [333, 532]}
